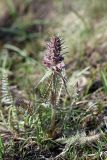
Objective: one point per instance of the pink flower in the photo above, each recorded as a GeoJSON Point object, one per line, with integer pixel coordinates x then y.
{"type": "Point", "coordinates": [53, 59]}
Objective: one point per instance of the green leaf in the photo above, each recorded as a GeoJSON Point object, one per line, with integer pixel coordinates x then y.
{"type": "Point", "coordinates": [104, 81]}
{"type": "Point", "coordinates": [47, 75]}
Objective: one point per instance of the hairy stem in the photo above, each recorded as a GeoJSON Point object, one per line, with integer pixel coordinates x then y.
{"type": "Point", "coordinates": [53, 106]}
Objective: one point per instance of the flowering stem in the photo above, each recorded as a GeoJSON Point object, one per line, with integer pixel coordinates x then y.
{"type": "Point", "coordinates": [53, 60]}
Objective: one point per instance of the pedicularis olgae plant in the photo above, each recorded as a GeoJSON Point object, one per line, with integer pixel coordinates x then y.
{"type": "Point", "coordinates": [54, 62]}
